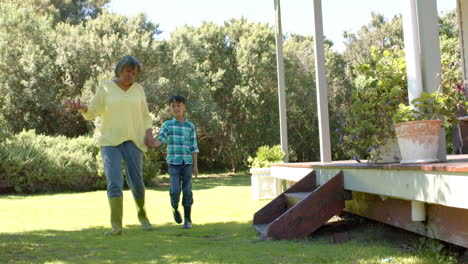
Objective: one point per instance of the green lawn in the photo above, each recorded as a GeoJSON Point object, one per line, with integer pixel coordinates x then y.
{"type": "Point", "coordinates": [68, 228]}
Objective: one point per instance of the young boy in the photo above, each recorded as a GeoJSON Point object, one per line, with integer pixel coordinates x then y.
{"type": "Point", "coordinates": [181, 140]}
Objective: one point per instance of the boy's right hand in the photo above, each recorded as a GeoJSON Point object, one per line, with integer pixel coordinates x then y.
{"type": "Point", "coordinates": [150, 142]}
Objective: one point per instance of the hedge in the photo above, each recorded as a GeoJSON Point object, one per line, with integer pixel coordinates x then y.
{"type": "Point", "coordinates": [31, 163]}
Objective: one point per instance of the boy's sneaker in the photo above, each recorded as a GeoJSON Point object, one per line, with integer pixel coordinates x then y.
{"type": "Point", "coordinates": [177, 217]}
{"type": "Point", "coordinates": [187, 224]}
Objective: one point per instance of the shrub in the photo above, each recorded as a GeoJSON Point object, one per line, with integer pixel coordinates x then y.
{"type": "Point", "coordinates": [152, 165]}
{"type": "Point", "coordinates": [32, 163]}
{"type": "Point", "coordinates": [36, 163]}
{"type": "Point", "coordinates": [380, 86]}
{"type": "Point", "coordinates": [265, 156]}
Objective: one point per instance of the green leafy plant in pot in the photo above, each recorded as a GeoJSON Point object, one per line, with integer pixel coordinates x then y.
{"type": "Point", "coordinates": [418, 126]}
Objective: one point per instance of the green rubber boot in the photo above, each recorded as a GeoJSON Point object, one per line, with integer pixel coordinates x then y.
{"type": "Point", "coordinates": [145, 223]}
{"type": "Point", "coordinates": [116, 209]}
{"type": "Point", "coordinates": [187, 217]}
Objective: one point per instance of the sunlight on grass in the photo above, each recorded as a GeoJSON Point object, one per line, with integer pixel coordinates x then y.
{"type": "Point", "coordinates": [68, 228]}
{"type": "Point", "coordinates": [213, 204]}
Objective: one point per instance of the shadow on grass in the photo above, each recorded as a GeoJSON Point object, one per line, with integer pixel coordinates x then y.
{"type": "Point", "coordinates": [209, 243]}
{"type": "Point", "coordinates": [229, 242]}
{"type": "Point", "coordinates": [200, 183]}
{"type": "Point", "coordinates": [211, 181]}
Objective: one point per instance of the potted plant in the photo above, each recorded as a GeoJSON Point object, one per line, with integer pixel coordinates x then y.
{"type": "Point", "coordinates": [418, 126]}
{"type": "Point", "coordinates": [379, 87]}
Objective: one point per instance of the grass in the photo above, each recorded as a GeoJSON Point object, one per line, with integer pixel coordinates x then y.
{"type": "Point", "coordinates": [68, 228]}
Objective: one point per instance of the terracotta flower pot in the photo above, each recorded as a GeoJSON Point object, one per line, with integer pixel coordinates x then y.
{"type": "Point", "coordinates": [419, 140]}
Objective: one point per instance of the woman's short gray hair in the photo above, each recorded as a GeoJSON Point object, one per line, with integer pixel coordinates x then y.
{"type": "Point", "coordinates": [127, 62]}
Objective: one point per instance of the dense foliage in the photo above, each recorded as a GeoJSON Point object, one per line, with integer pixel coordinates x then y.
{"type": "Point", "coordinates": [37, 163]}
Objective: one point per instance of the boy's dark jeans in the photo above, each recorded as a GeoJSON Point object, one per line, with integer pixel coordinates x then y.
{"type": "Point", "coordinates": [181, 180]}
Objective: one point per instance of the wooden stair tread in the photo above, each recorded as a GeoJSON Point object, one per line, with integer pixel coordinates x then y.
{"type": "Point", "coordinates": [298, 195]}
{"type": "Point", "coordinates": [262, 228]}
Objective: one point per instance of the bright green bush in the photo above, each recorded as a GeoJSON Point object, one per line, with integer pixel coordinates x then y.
{"type": "Point", "coordinates": [265, 156]}
{"type": "Point", "coordinates": [37, 163]}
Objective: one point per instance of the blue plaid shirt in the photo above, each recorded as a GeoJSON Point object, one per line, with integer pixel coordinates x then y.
{"type": "Point", "coordinates": [181, 139]}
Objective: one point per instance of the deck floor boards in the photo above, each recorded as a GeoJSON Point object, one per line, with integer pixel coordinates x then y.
{"type": "Point", "coordinates": [454, 163]}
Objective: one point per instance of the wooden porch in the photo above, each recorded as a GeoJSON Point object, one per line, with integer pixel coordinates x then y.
{"type": "Point", "coordinates": [430, 199]}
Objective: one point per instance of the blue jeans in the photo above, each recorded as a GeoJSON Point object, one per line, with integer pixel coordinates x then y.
{"type": "Point", "coordinates": [132, 156]}
{"type": "Point", "coordinates": [181, 177]}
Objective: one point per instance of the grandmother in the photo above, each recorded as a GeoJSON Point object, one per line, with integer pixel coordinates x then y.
{"type": "Point", "coordinates": [126, 128]}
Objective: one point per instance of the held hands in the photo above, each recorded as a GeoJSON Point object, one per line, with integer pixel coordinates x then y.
{"type": "Point", "coordinates": [151, 143]}
{"type": "Point", "coordinates": [149, 139]}
{"type": "Point", "coordinates": [73, 105]}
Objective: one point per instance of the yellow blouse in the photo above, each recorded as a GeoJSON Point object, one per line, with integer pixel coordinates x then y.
{"type": "Point", "coordinates": [124, 114]}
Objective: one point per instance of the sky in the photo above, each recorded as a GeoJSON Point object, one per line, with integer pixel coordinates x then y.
{"type": "Point", "coordinates": [296, 15]}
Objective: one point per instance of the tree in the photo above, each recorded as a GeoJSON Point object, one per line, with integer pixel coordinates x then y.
{"type": "Point", "coordinates": [27, 70]}
{"type": "Point", "coordinates": [43, 65]}
{"type": "Point", "coordinates": [379, 33]}
{"type": "Point", "coordinates": [228, 72]}
{"type": "Point", "coordinates": [70, 11]}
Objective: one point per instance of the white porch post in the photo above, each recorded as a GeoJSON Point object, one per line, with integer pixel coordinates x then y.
{"type": "Point", "coordinates": [462, 12]}
{"type": "Point", "coordinates": [430, 44]}
{"type": "Point", "coordinates": [422, 51]}
{"type": "Point", "coordinates": [412, 48]}
{"type": "Point", "coordinates": [321, 81]}
{"type": "Point", "coordinates": [281, 82]}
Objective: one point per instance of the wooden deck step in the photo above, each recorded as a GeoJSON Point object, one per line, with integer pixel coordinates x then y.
{"type": "Point", "coordinates": [301, 209]}
{"type": "Point", "coordinates": [294, 198]}
{"type": "Point", "coordinates": [262, 229]}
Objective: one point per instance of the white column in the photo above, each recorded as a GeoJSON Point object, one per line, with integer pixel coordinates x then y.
{"type": "Point", "coordinates": [321, 81]}
{"type": "Point", "coordinates": [462, 12]}
{"type": "Point", "coordinates": [430, 56]}
{"type": "Point", "coordinates": [430, 45]}
{"type": "Point", "coordinates": [281, 83]}
{"type": "Point", "coordinates": [422, 51]}
{"type": "Point", "coordinates": [412, 48]}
